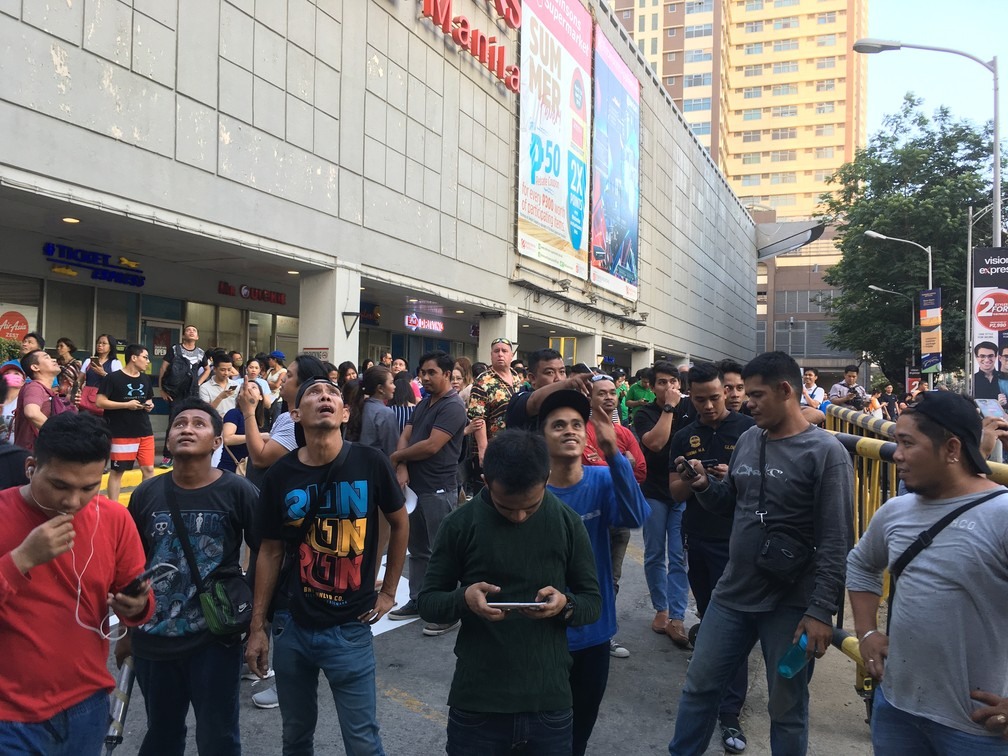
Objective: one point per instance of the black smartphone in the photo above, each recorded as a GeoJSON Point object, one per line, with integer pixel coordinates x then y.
{"type": "Point", "coordinates": [133, 588]}
{"type": "Point", "coordinates": [686, 469]}
{"type": "Point", "coordinates": [707, 463]}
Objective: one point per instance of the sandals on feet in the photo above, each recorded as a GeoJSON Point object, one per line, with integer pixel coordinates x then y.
{"type": "Point", "coordinates": [733, 739]}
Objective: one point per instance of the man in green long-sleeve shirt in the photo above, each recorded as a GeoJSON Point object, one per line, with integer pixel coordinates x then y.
{"type": "Point", "coordinates": [514, 542]}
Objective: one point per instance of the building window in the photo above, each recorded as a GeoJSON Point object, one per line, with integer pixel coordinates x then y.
{"type": "Point", "coordinates": [753, 114]}
{"type": "Point", "coordinates": [640, 24]}
{"type": "Point", "coordinates": [697, 80]}
{"type": "Point", "coordinates": [698, 56]}
{"type": "Point", "coordinates": [760, 335]}
{"type": "Point", "coordinates": [670, 81]}
{"type": "Point", "coordinates": [699, 30]}
{"type": "Point", "coordinates": [654, 46]}
{"type": "Point", "coordinates": [752, 27]}
{"type": "Point", "coordinates": [751, 179]}
{"type": "Point", "coordinates": [750, 158]}
{"type": "Point", "coordinates": [751, 93]}
{"type": "Point", "coordinates": [654, 22]}
{"type": "Point", "coordinates": [700, 6]}
{"type": "Point", "coordinates": [824, 129]}
{"type": "Point", "coordinates": [784, 111]}
{"type": "Point", "coordinates": [628, 14]}
{"type": "Point", "coordinates": [785, 45]}
{"type": "Point", "coordinates": [754, 70]}
{"type": "Point", "coordinates": [825, 107]}
{"type": "Point", "coordinates": [826, 85]}
{"type": "Point", "coordinates": [788, 22]}
{"type": "Point", "coordinates": [670, 32]}
{"type": "Point", "coordinates": [826, 62]}
{"type": "Point", "coordinates": [789, 336]}
{"type": "Point", "coordinates": [783, 200]}
{"type": "Point", "coordinates": [822, 176]}
{"type": "Point", "coordinates": [670, 57]}
{"type": "Point", "coordinates": [701, 127]}
{"type": "Point", "coordinates": [782, 90]}
{"type": "Point", "coordinates": [751, 136]}
{"type": "Point", "coordinates": [826, 40]}
{"type": "Point", "coordinates": [756, 48]}
{"type": "Point", "coordinates": [826, 18]}
{"type": "Point", "coordinates": [694, 104]}
{"type": "Point", "coordinates": [783, 178]}
{"type": "Point", "coordinates": [789, 133]}
{"type": "Point", "coordinates": [671, 7]}
{"type": "Point", "coordinates": [783, 156]}
{"type": "Point", "coordinates": [784, 3]}
{"type": "Point", "coordinates": [823, 152]}
{"type": "Point", "coordinates": [785, 67]}
{"type": "Point", "coordinates": [754, 5]}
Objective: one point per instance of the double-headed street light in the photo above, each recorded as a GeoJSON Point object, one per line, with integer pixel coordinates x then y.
{"type": "Point", "coordinates": [930, 284]}
{"type": "Point", "coordinates": [883, 237]}
{"type": "Point", "coordinates": [870, 46]}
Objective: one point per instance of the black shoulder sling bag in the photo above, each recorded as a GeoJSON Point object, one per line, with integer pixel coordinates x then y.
{"type": "Point", "coordinates": [784, 553]}
{"type": "Point", "coordinates": [924, 540]}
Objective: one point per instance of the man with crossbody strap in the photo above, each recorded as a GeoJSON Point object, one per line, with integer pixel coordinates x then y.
{"type": "Point", "coordinates": [947, 541]}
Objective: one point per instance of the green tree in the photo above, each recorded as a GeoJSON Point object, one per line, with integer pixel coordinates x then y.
{"type": "Point", "coordinates": [914, 180]}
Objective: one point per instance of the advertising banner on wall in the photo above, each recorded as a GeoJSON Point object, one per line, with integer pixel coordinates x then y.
{"type": "Point", "coordinates": [17, 320]}
{"type": "Point", "coordinates": [615, 173]}
{"type": "Point", "coordinates": [990, 321]}
{"type": "Point", "coordinates": [553, 153]}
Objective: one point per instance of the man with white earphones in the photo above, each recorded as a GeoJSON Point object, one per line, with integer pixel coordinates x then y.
{"type": "Point", "coordinates": [67, 556]}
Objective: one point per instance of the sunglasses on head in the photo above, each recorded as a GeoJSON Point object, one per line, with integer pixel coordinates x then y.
{"type": "Point", "coordinates": [600, 377]}
{"type": "Point", "coordinates": [495, 342]}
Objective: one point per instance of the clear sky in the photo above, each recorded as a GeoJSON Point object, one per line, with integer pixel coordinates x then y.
{"type": "Point", "coordinates": [979, 27]}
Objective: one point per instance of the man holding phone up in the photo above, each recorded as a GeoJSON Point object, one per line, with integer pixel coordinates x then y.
{"type": "Point", "coordinates": [711, 438]}
{"type": "Point", "coordinates": [219, 392]}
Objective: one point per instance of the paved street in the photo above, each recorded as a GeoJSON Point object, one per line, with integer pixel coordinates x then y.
{"type": "Point", "coordinates": [414, 673]}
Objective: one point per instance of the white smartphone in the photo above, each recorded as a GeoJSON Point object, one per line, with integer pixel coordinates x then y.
{"type": "Point", "coordinates": [505, 605]}
{"type": "Point", "coordinates": [991, 408]}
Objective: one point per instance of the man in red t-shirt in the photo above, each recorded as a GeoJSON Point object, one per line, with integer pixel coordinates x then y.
{"type": "Point", "coordinates": [65, 554]}
{"type": "Point", "coordinates": [37, 402]}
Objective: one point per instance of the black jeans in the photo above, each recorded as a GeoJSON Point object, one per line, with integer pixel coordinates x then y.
{"type": "Point", "coordinates": [588, 680]}
{"type": "Point", "coordinates": [535, 733]}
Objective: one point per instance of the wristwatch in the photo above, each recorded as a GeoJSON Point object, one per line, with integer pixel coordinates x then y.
{"type": "Point", "coordinates": [668, 408]}
{"type": "Point", "coordinates": [568, 611]}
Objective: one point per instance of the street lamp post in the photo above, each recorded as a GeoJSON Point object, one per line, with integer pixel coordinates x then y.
{"type": "Point", "coordinates": [913, 315]}
{"type": "Point", "coordinates": [930, 285]}
{"type": "Point", "coordinates": [869, 46]}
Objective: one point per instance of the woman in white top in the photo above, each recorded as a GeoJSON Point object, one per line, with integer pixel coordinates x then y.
{"type": "Point", "coordinates": [276, 372]}
{"type": "Point", "coordinates": [103, 362]}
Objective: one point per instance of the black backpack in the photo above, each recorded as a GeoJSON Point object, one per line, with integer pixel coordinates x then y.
{"type": "Point", "coordinates": [180, 379]}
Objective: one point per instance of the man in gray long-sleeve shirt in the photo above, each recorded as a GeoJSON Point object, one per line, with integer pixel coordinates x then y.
{"type": "Point", "coordinates": [784, 475]}
{"type": "Point", "coordinates": [936, 676]}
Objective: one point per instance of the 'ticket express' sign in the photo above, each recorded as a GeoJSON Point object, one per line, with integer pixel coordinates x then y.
{"type": "Point", "coordinates": [482, 46]}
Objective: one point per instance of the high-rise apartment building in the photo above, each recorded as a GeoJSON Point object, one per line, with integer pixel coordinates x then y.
{"type": "Point", "coordinates": [773, 91]}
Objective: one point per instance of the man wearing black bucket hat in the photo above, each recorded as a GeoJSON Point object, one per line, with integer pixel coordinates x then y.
{"type": "Point", "coordinates": [935, 685]}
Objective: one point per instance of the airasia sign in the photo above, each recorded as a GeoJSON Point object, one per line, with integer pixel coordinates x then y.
{"type": "Point", "coordinates": [13, 325]}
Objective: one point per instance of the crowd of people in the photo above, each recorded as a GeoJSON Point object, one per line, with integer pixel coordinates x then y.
{"type": "Point", "coordinates": [259, 551]}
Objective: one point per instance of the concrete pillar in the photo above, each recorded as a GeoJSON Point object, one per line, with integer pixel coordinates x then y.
{"type": "Point", "coordinates": [642, 359]}
{"type": "Point", "coordinates": [505, 326]}
{"type": "Point", "coordinates": [589, 349]}
{"type": "Point", "coordinates": [324, 298]}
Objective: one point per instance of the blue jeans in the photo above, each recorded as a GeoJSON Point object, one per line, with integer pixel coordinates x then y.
{"type": "Point", "coordinates": [536, 733]}
{"type": "Point", "coordinates": [896, 732]}
{"type": "Point", "coordinates": [424, 521]}
{"type": "Point", "coordinates": [707, 560]}
{"type": "Point", "coordinates": [725, 640]}
{"type": "Point", "coordinates": [209, 680]}
{"type": "Point", "coordinates": [345, 655]}
{"type": "Point", "coordinates": [77, 731]}
{"type": "Point", "coordinates": [666, 581]}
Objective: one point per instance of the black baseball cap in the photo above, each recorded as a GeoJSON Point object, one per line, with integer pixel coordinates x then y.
{"type": "Point", "coordinates": [959, 416]}
{"type": "Point", "coordinates": [564, 398]}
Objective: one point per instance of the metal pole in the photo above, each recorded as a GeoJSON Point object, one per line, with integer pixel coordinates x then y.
{"type": "Point", "coordinates": [997, 158]}
{"type": "Point", "coordinates": [967, 366]}
{"type": "Point", "coordinates": [930, 287]}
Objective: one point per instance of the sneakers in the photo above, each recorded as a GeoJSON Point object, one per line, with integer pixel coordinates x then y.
{"type": "Point", "coordinates": [166, 463]}
{"type": "Point", "coordinates": [433, 629]}
{"type": "Point", "coordinates": [407, 611]}
{"type": "Point", "coordinates": [266, 699]}
{"type": "Point", "coordinates": [732, 737]}
{"type": "Point", "coordinates": [616, 650]}
{"type": "Point", "coordinates": [248, 674]}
